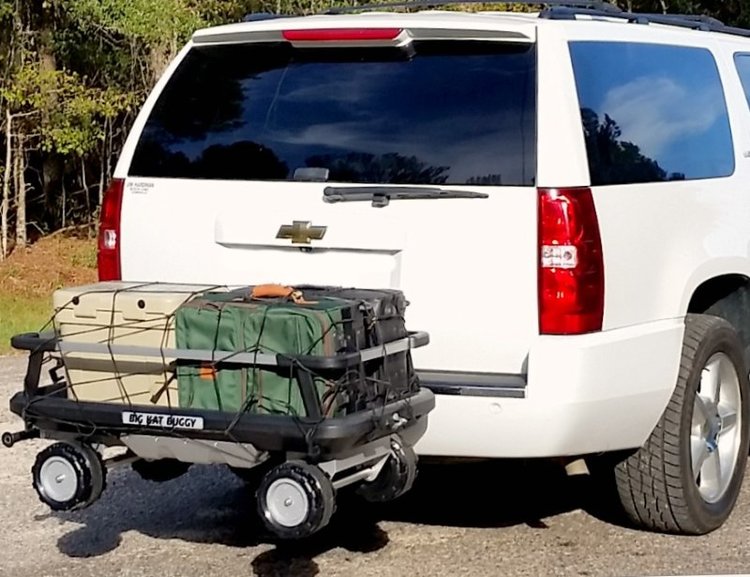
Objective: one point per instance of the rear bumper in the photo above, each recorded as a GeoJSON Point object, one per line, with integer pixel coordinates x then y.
{"type": "Point", "coordinates": [584, 394]}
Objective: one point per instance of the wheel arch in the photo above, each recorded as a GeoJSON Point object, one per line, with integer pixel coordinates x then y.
{"type": "Point", "coordinates": [727, 296]}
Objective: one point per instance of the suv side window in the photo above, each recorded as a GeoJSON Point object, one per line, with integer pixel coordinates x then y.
{"type": "Point", "coordinates": [742, 62]}
{"type": "Point", "coordinates": [651, 112]}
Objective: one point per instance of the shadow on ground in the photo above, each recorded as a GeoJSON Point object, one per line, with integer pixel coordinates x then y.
{"type": "Point", "coordinates": [498, 494]}
{"type": "Point", "coordinates": [210, 505]}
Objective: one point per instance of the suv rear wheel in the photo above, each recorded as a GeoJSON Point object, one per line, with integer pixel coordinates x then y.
{"type": "Point", "coordinates": [687, 476]}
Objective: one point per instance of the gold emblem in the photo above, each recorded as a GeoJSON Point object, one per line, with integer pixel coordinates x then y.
{"type": "Point", "coordinates": [301, 232]}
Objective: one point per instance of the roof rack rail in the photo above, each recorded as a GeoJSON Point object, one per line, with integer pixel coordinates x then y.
{"type": "Point", "coordinates": [599, 5]}
{"type": "Point", "coordinates": [692, 21]}
{"type": "Point", "coordinates": [568, 10]}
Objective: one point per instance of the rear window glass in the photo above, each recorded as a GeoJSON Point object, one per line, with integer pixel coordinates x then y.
{"type": "Point", "coordinates": [442, 113]}
{"type": "Point", "coordinates": [651, 112]}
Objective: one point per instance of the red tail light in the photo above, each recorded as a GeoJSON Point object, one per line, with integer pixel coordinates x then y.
{"type": "Point", "coordinates": [109, 232]}
{"type": "Point", "coordinates": [571, 267]}
{"type": "Point", "coordinates": [341, 34]}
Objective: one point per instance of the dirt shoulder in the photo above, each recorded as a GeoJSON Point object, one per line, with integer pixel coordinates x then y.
{"type": "Point", "coordinates": [48, 264]}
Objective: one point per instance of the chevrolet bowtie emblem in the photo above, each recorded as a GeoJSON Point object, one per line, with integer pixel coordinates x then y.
{"type": "Point", "coordinates": [301, 232]}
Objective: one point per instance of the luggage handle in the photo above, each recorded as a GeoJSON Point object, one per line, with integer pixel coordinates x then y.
{"type": "Point", "coordinates": [278, 291]}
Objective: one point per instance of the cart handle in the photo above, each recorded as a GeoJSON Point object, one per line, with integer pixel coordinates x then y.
{"type": "Point", "coordinates": [43, 342]}
{"type": "Point", "coordinates": [47, 342]}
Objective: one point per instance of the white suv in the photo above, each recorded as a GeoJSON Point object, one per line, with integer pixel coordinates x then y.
{"type": "Point", "coordinates": [562, 196]}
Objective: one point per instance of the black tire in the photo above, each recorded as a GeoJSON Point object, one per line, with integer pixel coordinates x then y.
{"type": "Point", "coordinates": [76, 464]}
{"type": "Point", "coordinates": [314, 496]}
{"type": "Point", "coordinates": [98, 473]}
{"type": "Point", "coordinates": [161, 470]}
{"type": "Point", "coordinates": [395, 478]}
{"type": "Point", "coordinates": [656, 485]}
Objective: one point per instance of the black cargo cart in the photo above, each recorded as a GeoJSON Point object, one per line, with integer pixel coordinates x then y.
{"type": "Point", "coordinates": [298, 462]}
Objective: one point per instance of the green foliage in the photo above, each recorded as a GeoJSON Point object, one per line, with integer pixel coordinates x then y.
{"type": "Point", "coordinates": [215, 12]}
{"type": "Point", "coordinates": [731, 12]}
{"type": "Point", "coordinates": [151, 21]}
{"type": "Point", "coordinates": [6, 9]}
{"type": "Point", "coordinates": [68, 114]}
{"type": "Point", "coordinates": [77, 124]}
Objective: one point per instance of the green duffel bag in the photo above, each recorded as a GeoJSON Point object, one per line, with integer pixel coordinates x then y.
{"type": "Point", "coordinates": [230, 322]}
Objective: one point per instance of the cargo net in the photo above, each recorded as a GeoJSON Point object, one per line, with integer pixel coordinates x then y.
{"type": "Point", "coordinates": [218, 349]}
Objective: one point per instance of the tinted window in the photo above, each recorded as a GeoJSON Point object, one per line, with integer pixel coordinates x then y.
{"type": "Point", "coordinates": [743, 68]}
{"type": "Point", "coordinates": [651, 112]}
{"type": "Point", "coordinates": [446, 113]}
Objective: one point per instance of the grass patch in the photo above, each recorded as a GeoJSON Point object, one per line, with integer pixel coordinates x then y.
{"type": "Point", "coordinates": [21, 314]}
{"type": "Point", "coordinates": [30, 276]}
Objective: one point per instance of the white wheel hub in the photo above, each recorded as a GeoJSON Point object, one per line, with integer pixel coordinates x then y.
{"type": "Point", "coordinates": [716, 430]}
{"type": "Point", "coordinates": [287, 502]}
{"type": "Point", "coordinates": [58, 479]}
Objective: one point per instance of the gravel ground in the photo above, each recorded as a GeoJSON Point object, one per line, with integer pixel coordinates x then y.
{"type": "Point", "coordinates": [468, 519]}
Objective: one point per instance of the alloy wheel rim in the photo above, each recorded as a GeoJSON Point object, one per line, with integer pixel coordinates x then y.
{"type": "Point", "coordinates": [715, 428]}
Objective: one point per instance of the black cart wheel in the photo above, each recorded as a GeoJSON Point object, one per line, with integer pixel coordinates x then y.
{"type": "Point", "coordinates": [161, 470]}
{"type": "Point", "coordinates": [68, 476]}
{"type": "Point", "coordinates": [396, 477]}
{"type": "Point", "coordinates": [296, 499]}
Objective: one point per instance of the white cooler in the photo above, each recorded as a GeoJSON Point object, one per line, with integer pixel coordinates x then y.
{"type": "Point", "coordinates": [121, 313]}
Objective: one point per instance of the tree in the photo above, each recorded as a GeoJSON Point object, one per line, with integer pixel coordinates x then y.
{"type": "Point", "coordinates": [613, 160]}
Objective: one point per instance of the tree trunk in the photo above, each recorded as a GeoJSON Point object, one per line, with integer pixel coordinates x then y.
{"type": "Point", "coordinates": [102, 166]}
{"type": "Point", "coordinates": [159, 58]}
{"type": "Point", "coordinates": [52, 171]}
{"type": "Point", "coordinates": [20, 193]}
{"type": "Point", "coordinates": [64, 203]}
{"type": "Point", "coordinates": [5, 201]}
{"type": "Point", "coordinates": [85, 185]}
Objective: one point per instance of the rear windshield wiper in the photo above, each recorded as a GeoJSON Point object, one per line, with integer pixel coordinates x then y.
{"type": "Point", "coordinates": [382, 195]}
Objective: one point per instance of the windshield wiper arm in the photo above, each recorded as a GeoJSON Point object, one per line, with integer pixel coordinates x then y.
{"type": "Point", "coordinates": [382, 195]}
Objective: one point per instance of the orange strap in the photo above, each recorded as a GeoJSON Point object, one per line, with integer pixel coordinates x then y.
{"type": "Point", "coordinates": [266, 291]}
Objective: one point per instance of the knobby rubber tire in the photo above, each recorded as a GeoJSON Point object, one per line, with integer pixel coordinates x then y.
{"type": "Point", "coordinates": [320, 494]}
{"type": "Point", "coordinates": [91, 475]}
{"type": "Point", "coordinates": [98, 474]}
{"type": "Point", "coordinates": [655, 484]}
{"type": "Point", "coordinates": [395, 479]}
